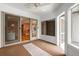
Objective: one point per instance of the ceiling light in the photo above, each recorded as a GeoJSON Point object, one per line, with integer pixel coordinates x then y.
{"type": "Point", "coordinates": [36, 4]}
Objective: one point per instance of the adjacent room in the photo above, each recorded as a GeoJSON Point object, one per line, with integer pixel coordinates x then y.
{"type": "Point", "coordinates": [39, 29]}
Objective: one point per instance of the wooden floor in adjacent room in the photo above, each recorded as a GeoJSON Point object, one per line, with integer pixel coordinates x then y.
{"type": "Point", "coordinates": [19, 50]}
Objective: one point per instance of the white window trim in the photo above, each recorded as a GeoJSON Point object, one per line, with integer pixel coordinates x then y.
{"type": "Point", "coordinates": [69, 37]}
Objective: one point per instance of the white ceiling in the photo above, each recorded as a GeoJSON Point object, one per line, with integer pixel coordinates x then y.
{"type": "Point", "coordinates": [43, 9]}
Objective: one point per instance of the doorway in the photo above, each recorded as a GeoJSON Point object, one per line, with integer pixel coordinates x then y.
{"type": "Point", "coordinates": [61, 31]}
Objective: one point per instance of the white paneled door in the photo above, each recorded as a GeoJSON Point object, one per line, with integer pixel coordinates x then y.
{"type": "Point", "coordinates": [61, 31]}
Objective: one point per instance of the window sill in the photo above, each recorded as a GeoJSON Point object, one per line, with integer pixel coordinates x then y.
{"type": "Point", "coordinates": [74, 45]}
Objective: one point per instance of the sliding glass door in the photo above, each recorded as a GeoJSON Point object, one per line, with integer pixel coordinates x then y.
{"type": "Point", "coordinates": [19, 29]}
{"type": "Point", "coordinates": [25, 27]}
{"type": "Point", "coordinates": [33, 29]}
{"type": "Point", "coordinates": [12, 28]}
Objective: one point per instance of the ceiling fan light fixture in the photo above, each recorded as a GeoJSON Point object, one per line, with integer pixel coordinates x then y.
{"type": "Point", "coordinates": [36, 4]}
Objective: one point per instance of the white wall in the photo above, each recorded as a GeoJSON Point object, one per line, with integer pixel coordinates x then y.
{"type": "Point", "coordinates": [53, 39]}
{"type": "Point", "coordinates": [71, 49]}
{"type": "Point", "coordinates": [15, 11]}
{"type": "Point", "coordinates": [0, 29]}
{"type": "Point", "coordinates": [75, 27]}
{"type": "Point", "coordinates": [53, 14]}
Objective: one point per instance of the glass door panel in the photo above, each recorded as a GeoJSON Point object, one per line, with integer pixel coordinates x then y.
{"type": "Point", "coordinates": [25, 25]}
{"type": "Point", "coordinates": [33, 26]}
{"type": "Point", "coordinates": [12, 28]}
{"type": "Point", "coordinates": [62, 32]}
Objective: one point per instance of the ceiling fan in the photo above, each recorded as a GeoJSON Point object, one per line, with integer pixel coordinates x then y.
{"type": "Point", "coordinates": [37, 4]}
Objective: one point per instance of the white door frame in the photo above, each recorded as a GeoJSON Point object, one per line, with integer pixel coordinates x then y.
{"type": "Point", "coordinates": [58, 29]}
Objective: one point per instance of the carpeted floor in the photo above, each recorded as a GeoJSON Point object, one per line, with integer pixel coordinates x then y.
{"type": "Point", "coordinates": [35, 50]}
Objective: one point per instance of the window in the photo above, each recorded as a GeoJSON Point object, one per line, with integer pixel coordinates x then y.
{"type": "Point", "coordinates": [48, 27]}
{"type": "Point", "coordinates": [75, 25]}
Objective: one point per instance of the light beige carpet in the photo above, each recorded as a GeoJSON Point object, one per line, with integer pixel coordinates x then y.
{"type": "Point", "coordinates": [35, 50]}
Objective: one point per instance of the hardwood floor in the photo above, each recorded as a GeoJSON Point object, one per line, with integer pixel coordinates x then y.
{"type": "Point", "coordinates": [49, 47]}
{"type": "Point", "coordinates": [19, 50]}
{"type": "Point", "coordinates": [14, 50]}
